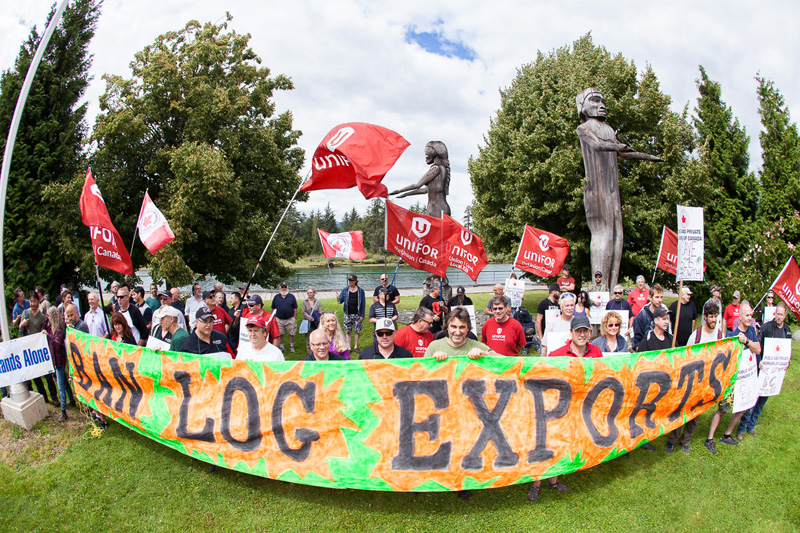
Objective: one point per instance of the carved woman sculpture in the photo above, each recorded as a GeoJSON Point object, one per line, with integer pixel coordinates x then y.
{"type": "Point", "coordinates": [601, 192]}
{"type": "Point", "coordinates": [435, 183]}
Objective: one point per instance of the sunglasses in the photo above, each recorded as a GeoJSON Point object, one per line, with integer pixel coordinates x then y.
{"type": "Point", "coordinates": [384, 333]}
{"type": "Point", "coordinates": [616, 292]}
{"type": "Point", "coordinates": [612, 325]}
{"type": "Point", "coordinates": [566, 295]}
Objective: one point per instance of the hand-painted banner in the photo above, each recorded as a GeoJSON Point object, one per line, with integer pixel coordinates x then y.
{"type": "Point", "coordinates": [404, 424]}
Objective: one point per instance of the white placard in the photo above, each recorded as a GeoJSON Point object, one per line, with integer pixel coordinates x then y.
{"type": "Point", "coordinates": [691, 238]}
{"type": "Point", "coordinates": [551, 315]}
{"type": "Point", "coordinates": [777, 353]}
{"type": "Point", "coordinates": [600, 313]}
{"type": "Point", "coordinates": [745, 389]}
{"type": "Point", "coordinates": [157, 344]}
{"type": "Point", "coordinates": [471, 310]}
{"type": "Point", "coordinates": [515, 290]}
{"type": "Point", "coordinates": [599, 301]}
{"type": "Point", "coordinates": [557, 339]}
{"type": "Point", "coordinates": [24, 359]}
{"type": "Point", "coordinates": [769, 314]}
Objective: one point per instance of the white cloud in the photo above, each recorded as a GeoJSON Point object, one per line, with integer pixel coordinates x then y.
{"type": "Point", "coordinates": [349, 60]}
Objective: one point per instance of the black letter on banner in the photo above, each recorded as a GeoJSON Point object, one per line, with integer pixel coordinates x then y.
{"type": "Point", "coordinates": [77, 361]}
{"type": "Point", "coordinates": [406, 392]}
{"type": "Point", "coordinates": [537, 387]}
{"type": "Point", "coordinates": [491, 431]}
{"type": "Point", "coordinates": [207, 433]}
{"type": "Point", "coordinates": [307, 395]}
{"type": "Point", "coordinates": [616, 405]}
{"type": "Point", "coordinates": [104, 384]}
{"type": "Point", "coordinates": [643, 382]}
{"type": "Point", "coordinates": [125, 385]}
{"type": "Point", "coordinates": [720, 359]}
{"type": "Point", "coordinates": [687, 375]}
{"type": "Point", "coordinates": [253, 418]}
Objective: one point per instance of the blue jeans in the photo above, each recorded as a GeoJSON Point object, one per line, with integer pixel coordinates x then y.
{"type": "Point", "coordinates": [750, 418]}
{"type": "Point", "coordinates": [63, 386]}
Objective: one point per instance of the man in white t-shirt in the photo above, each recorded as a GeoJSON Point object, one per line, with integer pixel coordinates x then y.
{"type": "Point", "coordinates": [193, 304]}
{"type": "Point", "coordinates": [258, 349]}
{"type": "Point", "coordinates": [708, 331]}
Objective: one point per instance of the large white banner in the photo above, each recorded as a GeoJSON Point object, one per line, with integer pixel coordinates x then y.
{"type": "Point", "coordinates": [691, 238]}
{"type": "Point", "coordinates": [24, 359]}
{"type": "Point", "coordinates": [775, 361]}
{"type": "Point", "coordinates": [745, 390]}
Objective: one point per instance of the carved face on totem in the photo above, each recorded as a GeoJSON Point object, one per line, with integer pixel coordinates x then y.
{"type": "Point", "coordinates": [591, 104]}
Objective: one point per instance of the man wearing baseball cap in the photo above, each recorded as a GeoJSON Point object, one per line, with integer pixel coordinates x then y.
{"type": "Point", "coordinates": [566, 283]}
{"type": "Point", "coordinates": [385, 348]}
{"type": "Point", "coordinates": [171, 332]}
{"type": "Point", "coordinates": [222, 320]}
{"type": "Point", "coordinates": [598, 286]}
{"type": "Point", "coordinates": [205, 339]}
{"type": "Point", "coordinates": [578, 344]}
{"type": "Point", "coordinates": [258, 349]}
{"type": "Point", "coordinates": [255, 307]}
{"type": "Point", "coordinates": [731, 312]}
{"type": "Point", "coordinates": [354, 307]}
{"type": "Point", "coordinates": [460, 298]}
{"type": "Point", "coordinates": [659, 338]}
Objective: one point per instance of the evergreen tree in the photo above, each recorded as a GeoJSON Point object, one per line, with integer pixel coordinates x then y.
{"type": "Point", "coordinates": [48, 147]}
{"type": "Point", "coordinates": [350, 220]}
{"type": "Point", "coordinates": [722, 144]}
{"type": "Point", "coordinates": [327, 221]}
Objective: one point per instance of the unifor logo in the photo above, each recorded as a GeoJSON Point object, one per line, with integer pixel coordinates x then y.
{"type": "Point", "coordinates": [419, 342]}
{"type": "Point", "coordinates": [340, 137]}
{"type": "Point", "coordinates": [797, 288]}
{"type": "Point", "coordinates": [466, 237]}
{"type": "Point", "coordinates": [499, 331]}
{"type": "Point", "coordinates": [420, 227]}
{"type": "Point", "coordinates": [544, 242]}
{"type": "Point", "coordinates": [96, 191]}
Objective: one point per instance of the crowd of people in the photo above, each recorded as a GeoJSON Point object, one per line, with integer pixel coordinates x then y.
{"type": "Point", "coordinates": [210, 322]}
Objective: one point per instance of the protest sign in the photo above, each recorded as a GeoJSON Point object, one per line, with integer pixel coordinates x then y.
{"type": "Point", "coordinates": [156, 344]}
{"type": "Point", "coordinates": [769, 314]}
{"type": "Point", "coordinates": [746, 389]}
{"type": "Point", "coordinates": [774, 362]}
{"type": "Point", "coordinates": [515, 290]}
{"type": "Point", "coordinates": [556, 339]}
{"type": "Point", "coordinates": [551, 315]}
{"type": "Point", "coordinates": [599, 299]}
{"type": "Point", "coordinates": [416, 238]}
{"type": "Point", "coordinates": [402, 424]}
{"type": "Point", "coordinates": [691, 239]}
{"type": "Point", "coordinates": [25, 358]}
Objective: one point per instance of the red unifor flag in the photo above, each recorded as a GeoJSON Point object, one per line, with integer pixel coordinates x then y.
{"type": "Point", "coordinates": [463, 249]}
{"type": "Point", "coordinates": [154, 230]}
{"type": "Point", "coordinates": [541, 253]}
{"type": "Point", "coordinates": [787, 286]}
{"type": "Point", "coordinates": [109, 250]}
{"type": "Point", "coordinates": [668, 252]}
{"type": "Point", "coordinates": [349, 244]}
{"type": "Point", "coordinates": [416, 238]}
{"type": "Point", "coordinates": [355, 154]}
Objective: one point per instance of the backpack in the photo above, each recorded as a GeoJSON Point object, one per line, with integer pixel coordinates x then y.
{"type": "Point", "coordinates": [524, 316]}
{"type": "Point", "coordinates": [699, 332]}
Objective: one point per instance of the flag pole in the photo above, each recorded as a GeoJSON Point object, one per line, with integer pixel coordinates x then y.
{"type": "Point", "coordinates": [658, 257]}
{"type": "Point", "coordinates": [274, 231]}
{"type": "Point", "coordinates": [100, 293]}
{"type": "Point", "coordinates": [678, 314]}
{"type": "Point", "coordinates": [771, 287]}
{"type": "Point", "coordinates": [136, 230]}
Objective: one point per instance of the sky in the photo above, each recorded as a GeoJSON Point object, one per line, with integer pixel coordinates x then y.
{"type": "Point", "coordinates": [434, 70]}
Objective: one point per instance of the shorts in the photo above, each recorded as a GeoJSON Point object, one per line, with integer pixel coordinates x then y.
{"type": "Point", "coordinates": [287, 325]}
{"type": "Point", "coordinates": [352, 323]}
{"type": "Point", "coordinates": [726, 404]}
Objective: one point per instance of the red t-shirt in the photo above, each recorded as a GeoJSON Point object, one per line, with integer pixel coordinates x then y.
{"type": "Point", "coordinates": [591, 351]}
{"type": "Point", "coordinates": [220, 319]}
{"type": "Point", "coordinates": [506, 338]}
{"type": "Point", "coordinates": [414, 342]}
{"type": "Point", "coordinates": [273, 332]}
{"type": "Point", "coordinates": [562, 281]}
{"type": "Point", "coordinates": [638, 299]}
{"type": "Point", "coordinates": [731, 314]}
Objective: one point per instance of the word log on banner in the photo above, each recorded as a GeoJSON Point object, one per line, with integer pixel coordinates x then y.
{"type": "Point", "coordinates": [404, 424]}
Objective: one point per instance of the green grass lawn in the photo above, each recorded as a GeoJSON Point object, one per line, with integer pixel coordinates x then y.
{"type": "Point", "coordinates": [63, 478]}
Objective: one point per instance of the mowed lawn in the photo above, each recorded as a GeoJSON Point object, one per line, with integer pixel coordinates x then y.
{"type": "Point", "coordinates": [58, 478]}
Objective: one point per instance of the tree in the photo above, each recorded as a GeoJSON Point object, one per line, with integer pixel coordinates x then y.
{"type": "Point", "coordinates": [196, 127]}
{"type": "Point", "coordinates": [48, 147]}
{"type": "Point", "coordinates": [372, 225]}
{"type": "Point", "coordinates": [530, 170]}
{"type": "Point", "coordinates": [351, 218]}
{"type": "Point", "coordinates": [327, 221]}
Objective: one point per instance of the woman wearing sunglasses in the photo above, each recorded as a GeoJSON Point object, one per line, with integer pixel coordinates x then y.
{"type": "Point", "coordinates": [610, 340]}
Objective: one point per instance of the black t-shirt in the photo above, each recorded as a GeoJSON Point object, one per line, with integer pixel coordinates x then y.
{"type": "Point", "coordinates": [688, 316]}
{"type": "Point", "coordinates": [352, 303]}
{"type": "Point", "coordinates": [331, 357]}
{"type": "Point", "coordinates": [373, 353]}
{"type": "Point", "coordinates": [218, 344]}
{"type": "Point", "coordinates": [543, 306]}
{"type": "Point", "coordinates": [434, 305]}
{"type": "Point", "coordinates": [455, 303]}
{"type": "Point", "coordinates": [651, 342]}
{"type": "Point", "coordinates": [391, 295]}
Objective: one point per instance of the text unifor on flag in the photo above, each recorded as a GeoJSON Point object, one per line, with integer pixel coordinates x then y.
{"type": "Point", "coordinates": [787, 285]}
{"type": "Point", "coordinates": [541, 253]}
{"type": "Point", "coordinates": [109, 250]}
{"type": "Point", "coordinates": [463, 248]}
{"type": "Point", "coordinates": [355, 154]}
{"type": "Point", "coordinates": [154, 230]}
{"type": "Point", "coordinates": [349, 244]}
{"type": "Point", "coordinates": [416, 238]}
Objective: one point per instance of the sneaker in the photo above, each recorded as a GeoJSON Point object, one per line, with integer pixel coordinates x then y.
{"type": "Point", "coordinates": [281, 346]}
{"type": "Point", "coordinates": [291, 348]}
{"type": "Point", "coordinates": [670, 447]}
{"type": "Point", "coordinates": [709, 443]}
{"type": "Point", "coordinates": [647, 446]}
{"type": "Point", "coordinates": [740, 436]}
{"type": "Point", "coordinates": [727, 439]}
{"type": "Point", "coordinates": [686, 449]}
{"type": "Point", "coordinates": [752, 432]}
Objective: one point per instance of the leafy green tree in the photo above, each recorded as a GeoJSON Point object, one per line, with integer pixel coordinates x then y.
{"type": "Point", "coordinates": [48, 147]}
{"type": "Point", "coordinates": [530, 170]}
{"type": "Point", "coordinates": [724, 161]}
{"type": "Point", "coordinates": [195, 126]}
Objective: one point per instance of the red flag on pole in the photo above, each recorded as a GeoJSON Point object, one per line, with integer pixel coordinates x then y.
{"type": "Point", "coordinates": [349, 245]}
{"type": "Point", "coordinates": [355, 154]}
{"type": "Point", "coordinates": [464, 249]}
{"type": "Point", "coordinates": [416, 238]}
{"type": "Point", "coordinates": [109, 250]}
{"type": "Point", "coordinates": [541, 253]}
{"type": "Point", "coordinates": [787, 285]}
{"type": "Point", "coordinates": [668, 252]}
{"type": "Point", "coordinates": [154, 230]}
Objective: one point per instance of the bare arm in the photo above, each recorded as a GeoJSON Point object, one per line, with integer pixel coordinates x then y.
{"type": "Point", "coordinates": [424, 180]}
